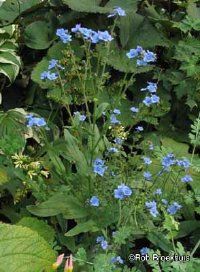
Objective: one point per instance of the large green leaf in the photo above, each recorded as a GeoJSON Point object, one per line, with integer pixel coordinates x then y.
{"type": "Point", "coordinates": [39, 35]}
{"type": "Point", "coordinates": [23, 250]}
{"type": "Point", "coordinates": [60, 203]}
{"type": "Point", "coordinates": [93, 6]}
{"type": "Point", "coordinates": [11, 9]}
{"type": "Point", "coordinates": [41, 227]}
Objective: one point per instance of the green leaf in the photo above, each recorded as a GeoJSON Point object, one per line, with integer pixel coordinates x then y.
{"type": "Point", "coordinates": [14, 118]}
{"type": "Point", "coordinates": [11, 9]}
{"type": "Point", "coordinates": [73, 152]}
{"type": "Point", "coordinates": [41, 227]}
{"type": "Point", "coordinates": [4, 178]}
{"type": "Point", "coordinates": [180, 149]}
{"type": "Point", "coordinates": [159, 241]}
{"type": "Point", "coordinates": [89, 226]}
{"type": "Point", "coordinates": [100, 109]}
{"type": "Point", "coordinates": [93, 6]}
{"type": "Point", "coordinates": [187, 227]}
{"type": "Point", "coordinates": [128, 26]}
{"type": "Point", "coordinates": [22, 250]}
{"type": "Point", "coordinates": [39, 35]}
{"type": "Point", "coordinates": [84, 5]}
{"type": "Point", "coordinates": [60, 203]}
{"type": "Point", "coordinates": [147, 36]}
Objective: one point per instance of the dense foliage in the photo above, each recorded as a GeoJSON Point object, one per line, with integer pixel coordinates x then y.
{"type": "Point", "coordinates": [99, 135]}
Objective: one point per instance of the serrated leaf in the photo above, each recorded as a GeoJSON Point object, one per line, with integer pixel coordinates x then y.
{"type": "Point", "coordinates": [20, 247]}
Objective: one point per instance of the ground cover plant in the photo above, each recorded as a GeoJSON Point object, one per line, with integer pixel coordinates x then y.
{"type": "Point", "coordinates": [100, 135]}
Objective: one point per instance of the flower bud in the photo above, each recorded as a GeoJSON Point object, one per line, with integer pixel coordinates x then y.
{"type": "Point", "coordinates": [69, 264]}
{"type": "Point", "coordinates": [58, 261]}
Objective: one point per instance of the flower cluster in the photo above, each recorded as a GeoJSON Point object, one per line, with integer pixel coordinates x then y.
{"type": "Point", "coordinates": [117, 260]}
{"type": "Point", "coordinates": [144, 250]}
{"type": "Point", "coordinates": [103, 243]}
{"type": "Point", "coordinates": [122, 192]}
{"type": "Point", "coordinates": [149, 100]}
{"type": "Point", "coordinates": [151, 87]}
{"type": "Point", "coordinates": [152, 207]}
{"type": "Point", "coordinates": [81, 117]}
{"type": "Point", "coordinates": [53, 63]}
{"type": "Point", "coordinates": [99, 167]}
{"type": "Point", "coordinates": [143, 57]}
{"type": "Point", "coordinates": [173, 208]}
{"type": "Point", "coordinates": [113, 117]}
{"type": "Point", "coordinates": [91, 35]}
{"type": "Point", "coordinates": [64, 35]}
{"type": "Point", "coordinates": [33, 121]}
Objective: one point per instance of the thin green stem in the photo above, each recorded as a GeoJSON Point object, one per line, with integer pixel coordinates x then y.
{"type": "Point", "coordinates": [195, 248]}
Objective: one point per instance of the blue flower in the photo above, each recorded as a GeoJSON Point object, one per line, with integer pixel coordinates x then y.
{"type": "Point", "coordinates": [64, 35]}
{"type": "Point", "coordinates": [144, 250]}
{"type": "Point", "coordinates": [152, 206]}
{"type": "Point", "coordinates": [186, 178]}
{"type": "Point", "coordinates": [139, 128]}
{"type": "Point", "coordinates": [122, 192]}
{"type": "Point", "coordinates": [141, 62]}
{"type": "Point", "coordinates": [35, 121]}
{"type": "Point", "coordinates": [100, 239]}
{"type": "Point", "coordinates": [114, 120]}
{"type": "Point", "coordinates": [53, 63]}
{"type": "Point", "coordinates": [133, 53]}
{"type": "Point", "coordinates": [76, 28]}
{"type": "Point", "coordinates": [149, 56]}
{"type": "Point", "coordinates": [151, 87]}
{"type": "Point", "coordinates": [99, 167]}
{"type": "Point", "coordinates": [117, 11]}
{"type": "Point", "coordinates": [158, 192]}
{"type": "Point", "coordinates": [94, 201]}
{"type": "Point", "coordinates": [81, 117]}
{"type": "Point", "coordinates": [118, 141]}
{"type": "Point", "coordinates": [134, 109]}
{"type": "Point", "coordinates": [183, 163]}
{"type": "Point", "coordinates": [48, 75]}
{"type": "Point", "coordinates": [155, 99]}
{"type": "Point", "coordinates": [173, 208]}
{"type": "Point", "coordinates": [113, 150]}
{"type": "Point", "coordinates": [117, 260]}
{"type": "Point", "coordinates": [116, 111]}
{"type": "Point", "coordinates": [105, 36]}
{"type": "Point", "coordinates": [147, 160]}
{"type": "Point", "coordinates": [168, 161]}
{"type": "Point", "coordinates": [104, 245]}
{"type": "Point", "coordinates": [149, 100]}
{"type": "Point", "coordinates": [147, 175]}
